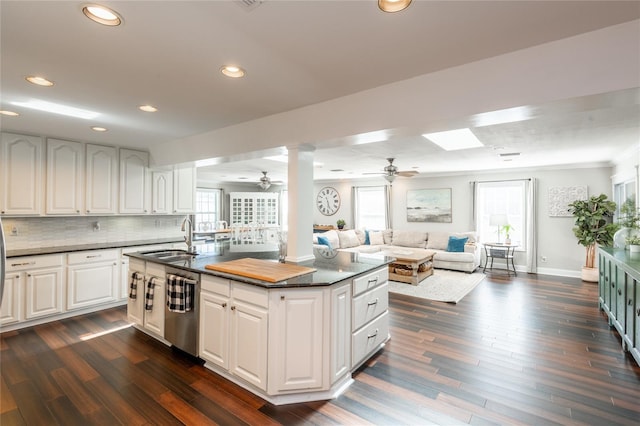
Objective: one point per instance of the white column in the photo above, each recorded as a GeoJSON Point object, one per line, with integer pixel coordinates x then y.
{"type": "Point", "coordinates": [300, 187]}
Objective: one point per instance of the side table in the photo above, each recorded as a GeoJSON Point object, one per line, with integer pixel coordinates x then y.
{"type": "Point", "coordinates": [500, 251]}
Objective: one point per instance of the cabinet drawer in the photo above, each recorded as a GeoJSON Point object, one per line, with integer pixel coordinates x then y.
{"type": "Point", "coordinates": [33, 262]}
{"type": "Point", "coordinates": [369, 305]}
{"type": "Point", "coordinates": [155, 270]}
{"type": "Point", "coordinates": [251, 294]}
{"type": "Point", "coordinates": [136, 265]}
{"type": "Point", "coordinates": [369, 338]}
{"type": "Point", "coordinates": [92, 256]}
{"type": "Point", "coordinates": [370, 280]}
{"type": "Point", "coordinates": [215, 285]}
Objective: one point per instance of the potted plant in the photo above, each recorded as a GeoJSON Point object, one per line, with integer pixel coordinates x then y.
{"type": "Point", "coordinates": [341, 223]}
{"type": "Point", "coordinates": [634, 243]}
{"type": "Point", "coordinates": [593, 226]}
{"type": "Point", "coordinates": [507, 232]}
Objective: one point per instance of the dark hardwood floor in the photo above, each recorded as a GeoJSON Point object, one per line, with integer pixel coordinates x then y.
{"type": "Point", "coordinates": [528, 350]}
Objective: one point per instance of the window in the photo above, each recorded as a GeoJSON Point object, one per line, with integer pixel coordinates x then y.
{"type": "Point", "coordinates": [208, 208]}
{"type": "Point", "coordinates": [370, 207]}
{"type": "Point", "coordinates": [501, 198]}
{"type": "Point", "coordinates": [624, 192]}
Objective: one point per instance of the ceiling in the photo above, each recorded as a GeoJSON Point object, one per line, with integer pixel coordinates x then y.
{"type": "Point", "coordinates": [296, 54]}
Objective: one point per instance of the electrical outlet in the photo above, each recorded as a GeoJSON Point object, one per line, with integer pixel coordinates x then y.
{"type": "Point", "coordinates": [543, 258]}
{"type": "Point", "coordinates": [14, 230]}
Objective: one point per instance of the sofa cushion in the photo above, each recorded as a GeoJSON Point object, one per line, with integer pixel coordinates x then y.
{"type": "Point", "coordinates": [362, 238]}
{"type": "Point", "coordinates": [376, 238]}
{"type": "Point", "coordinates": [348, 239]}
{"type": "Point", "coordinates": [447, 256]}
{"type": "Point", "coordinates": [333, 238]}
{"type": "Point", "coordinates": [387, 234]}
{"type": "Point", "coordinates": [409, 239]}
{"type": "Point", "coordinates": [438, 240]}
{"type": "Point", "coordinates": [456, 244]}
{"type": "Point", "coordinates": [472, 236]}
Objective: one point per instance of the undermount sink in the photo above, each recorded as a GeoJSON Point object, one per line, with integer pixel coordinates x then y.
{"type": "Point", "coordinates": [170, 255]}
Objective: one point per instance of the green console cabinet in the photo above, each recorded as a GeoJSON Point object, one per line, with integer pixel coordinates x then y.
{"type": "Point", "coordinates": [619, 295]}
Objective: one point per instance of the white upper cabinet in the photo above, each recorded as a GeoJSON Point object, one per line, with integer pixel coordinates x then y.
{"type": "Point", "coordinates": [101, 195]}
{"type": "Point", "coordinates": [184, 190]}
{"type": "Point", "coordinates": [65, 177]}
{"type": "Point", "coordinates": [134, 182]}
{"type": "Point", "coordinates": [20, 174]}
{"type": "Point", "coordinates": [161, 192]}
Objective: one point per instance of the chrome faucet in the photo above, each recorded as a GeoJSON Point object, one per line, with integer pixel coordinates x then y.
{"type": "Point", "coordinates": [187, 228]}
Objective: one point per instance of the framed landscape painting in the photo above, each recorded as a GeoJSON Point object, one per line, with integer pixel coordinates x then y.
{"type": "Point", "coordinates": [429, 205]}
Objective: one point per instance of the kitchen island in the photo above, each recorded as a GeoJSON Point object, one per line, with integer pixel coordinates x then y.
{"type": "Point", "coordinates": [287, 341]}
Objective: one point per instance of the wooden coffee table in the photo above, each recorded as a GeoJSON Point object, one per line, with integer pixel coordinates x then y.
{"type": "Point", "coordinates": [411, 258]}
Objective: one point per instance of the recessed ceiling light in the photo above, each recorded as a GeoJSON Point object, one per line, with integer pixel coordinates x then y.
{"type": "Point", "coordinates": [452, 140]}
{"type": "Point", "coordinates": [102, 15]}
{"type": "Point", "coordinates": [40, 81]}
{"type": "Point", "coordinates": [9, 113]}
{"type": "Point", "coordinates": [232, 71]}
{"type": "Point", "coordinates": [98, 129]}
{"type": "Point", "coordinates": [148, 108]}
{"type": "Point", "coordinates": [58, 109]}
{"type": "Point", "coordinates": [393, 5]}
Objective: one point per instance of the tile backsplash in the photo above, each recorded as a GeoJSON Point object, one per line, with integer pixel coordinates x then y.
{"type": "Point", "coordinates": [35, 232]}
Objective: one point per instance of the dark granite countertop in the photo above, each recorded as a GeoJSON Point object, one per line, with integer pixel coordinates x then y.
{"type": "Point", "coordinates": [83, 247]}
{"type": "Point", "coordinates": [331, 266]}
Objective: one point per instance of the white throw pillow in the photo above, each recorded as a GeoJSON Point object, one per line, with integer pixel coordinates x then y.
{"type": "Point", "coordinates": [415, 239]}
{"type": "Point", "coordinates": [348, 239]}
{"type": "Point", "coordinates": [333, 238]}
{"type": "Point", "coordinates": [376, 238]}
{"type": "Point", "coordinates": [472, 237]}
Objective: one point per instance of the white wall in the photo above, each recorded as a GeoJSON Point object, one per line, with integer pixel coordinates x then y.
{"type": "Point", "coordinates": [555, 239]}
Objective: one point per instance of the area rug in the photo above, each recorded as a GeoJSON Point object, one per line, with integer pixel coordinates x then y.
{"type": "Point", "coordinates": [442, 286]}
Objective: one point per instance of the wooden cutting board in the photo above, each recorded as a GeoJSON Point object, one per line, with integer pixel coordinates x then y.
{"type": "Point", "coordinates": [259, 269]}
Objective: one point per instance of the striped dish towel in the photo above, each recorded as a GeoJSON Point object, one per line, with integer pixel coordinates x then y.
{"type": "Point", "coordinates": [148, 296]}
{"type": "Point", "coordinates": [136, 277]}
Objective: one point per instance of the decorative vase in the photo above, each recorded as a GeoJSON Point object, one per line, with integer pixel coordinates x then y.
{"type": "Point", "coordinates": [634, 248]}
{"type": "Point", "coordinates": [507, 241]}
{"type": "Point", "coordinates": [620, 237]}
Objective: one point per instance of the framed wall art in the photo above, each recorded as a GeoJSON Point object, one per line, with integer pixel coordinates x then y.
{"type": "Point", "coordinates": [429, 205]}
{"type": "Point", "coordinates": [561, 196]}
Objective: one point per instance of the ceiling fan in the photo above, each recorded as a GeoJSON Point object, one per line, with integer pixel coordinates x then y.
{"type": "Point", "coordinates": [391, 172]}
{"type": "Point", "coordinates": [265, 181]}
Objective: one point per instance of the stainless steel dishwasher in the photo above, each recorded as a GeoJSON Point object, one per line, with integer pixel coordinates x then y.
{"type": "Point", "coordinates": [181, 328]}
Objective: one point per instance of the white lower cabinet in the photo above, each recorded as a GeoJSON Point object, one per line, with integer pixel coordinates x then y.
{"type": "Point", "coordinates": [34, 288]}
{"type": "Point", "coordinates": [234, 328]}
{"type": "Point", "coordinates": [92, 278]}
{"type": "Point", "coordinates": [151, 320]}
{"type": "Point", "coordinates": [340, 331]}
{"type": "Point", "coordinates": [299, 341]}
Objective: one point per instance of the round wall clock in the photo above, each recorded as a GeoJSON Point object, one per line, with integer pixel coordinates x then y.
{"type": "Point", "coordinates": [328, 201]}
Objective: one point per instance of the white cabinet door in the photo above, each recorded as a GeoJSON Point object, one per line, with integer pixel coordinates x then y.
{"type": "Point", "coordinates": [11, 311]}
{"type": "Point", "coordinates": [298, 339]}
{"type": "Point", "coordinates": [154, 318]}
{"type": "Point", "coordinates": [135, 307]}
{"type": "Point", "coordinates": [214, 329]}
{"type": "Point", "coordinates": [134, 182]}
{"type": "Point", "coordinates": [340, 331]}
{"type": "Point", "coordinates": [65, 177]}
{"type": "Point", "coordinates": [161, 192]}
{"type": "Point", "coordinates": [184, 190]}
{"type": "Point", "coordinates": [248, 343]}
{"type": "Point", "coordinates": [20, 174]}
{"type": "Point", "coordinates": [44, 292]}
{"type": "Point", "coordinates": [101, 178]}
{"type": "Point", "coordinates": [92, 281]}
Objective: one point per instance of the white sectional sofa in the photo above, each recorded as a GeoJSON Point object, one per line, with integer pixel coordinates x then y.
{"type": "Point", "coordinates": [466, 260]}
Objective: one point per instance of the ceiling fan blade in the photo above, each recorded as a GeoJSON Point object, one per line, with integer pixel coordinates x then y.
{"type": "Point", "coordinates": [374, 173]}
{"type": "Point", "coordinates": [407, 173]}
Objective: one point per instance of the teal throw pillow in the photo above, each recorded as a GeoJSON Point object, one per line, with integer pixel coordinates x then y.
{"type": "Point", "coordinates": [366, 237]}
{"type": "Point", "coordinates": [456, 244]}
{"type": "Point", "coordinates": [324, 241]}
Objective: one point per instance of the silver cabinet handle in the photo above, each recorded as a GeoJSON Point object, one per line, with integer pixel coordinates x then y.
{"type": "Point", "coordinates": [375, 302]}
{"type": "Point", "coordinates": [373, 281]}
{"type": "Point", "coordinates": [91, 256]}
{"type": "Point", "coordinates": [371, 336]}
{"type": "Point", "coordinates": [224, 305]}
{"type": "Point", "coordinates": [23, 263]}
{"type": "Point", "coordinates": [233, 308]}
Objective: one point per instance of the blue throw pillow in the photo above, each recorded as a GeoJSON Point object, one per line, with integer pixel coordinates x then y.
{"type": "Point", "coordinates": [324, 241]}
{"type": "Point", "coordinates": [456, 244]}
{"type": "Point", "coordinates": [366, 237]}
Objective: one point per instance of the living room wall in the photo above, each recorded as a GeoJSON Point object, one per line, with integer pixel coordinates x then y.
{"type": "Point", "coordinates": [556, 241]}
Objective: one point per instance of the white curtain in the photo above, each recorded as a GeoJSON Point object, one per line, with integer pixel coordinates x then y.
{"type": "Point", "coordinates": [531, 189]}
{"type": "Point", "coordinates": [387, 205]}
